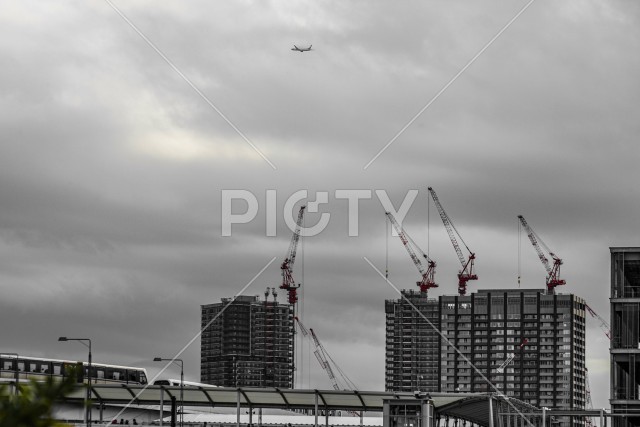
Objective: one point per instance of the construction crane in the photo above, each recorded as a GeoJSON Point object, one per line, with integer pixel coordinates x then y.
{"type": "Point", "coordinates": [288, 284]}
{"type": "Point", "coordinates": [511, 356]}
{"type": "Point", "coordinates": [466, 273]}
{"type": "Point", "coordinates": [428, 280]}
{"type": "Point", "coordinates": [588, 421]}
{"type": "Point", "coordinates": [323, 358]}
{"type": "Point", "coordinates": [604, 325]}
{"type": "Point", "coordinates": [553, 272]}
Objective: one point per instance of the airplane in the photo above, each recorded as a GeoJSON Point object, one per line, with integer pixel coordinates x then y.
{"type": "Point", "coordinates": [301, 49]}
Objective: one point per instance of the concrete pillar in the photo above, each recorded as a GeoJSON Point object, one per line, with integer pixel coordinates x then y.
{"type": "Point", "coordinates": [161, 405]}
{"type": "Point", "coordinates": [238, 408]}
{"type": "Point", "coordinates": [491, 411]}
{"type": "Point", "coordinates": [316, 409]}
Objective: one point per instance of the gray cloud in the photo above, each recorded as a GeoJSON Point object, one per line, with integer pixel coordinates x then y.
{"type": "Point", "coordinates": [111, 168]}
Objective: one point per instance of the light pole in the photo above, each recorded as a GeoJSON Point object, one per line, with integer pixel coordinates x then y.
{"type": "Point", "coordinates": [160, 359]}
{"type": "Point", "coordinates": [87, 409]}
{"type": "Point", "coordinates": [17, 373]}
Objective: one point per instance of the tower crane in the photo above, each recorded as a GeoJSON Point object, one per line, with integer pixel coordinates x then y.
{"type": "Point", "coordinates": [427, 281]}
{"type": "Point", "coordinates": [288, 284]}
{"type": "Point", "coordinates": [466, 273]}
{"type": "Point", "coordinates": [553, 272]}
{"type": "Point", "coordinates": [604, 325]}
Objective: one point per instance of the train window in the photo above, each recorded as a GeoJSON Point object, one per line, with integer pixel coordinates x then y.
{"type": "Point", "coordinates": [33, 367]}
{"type": "Point", "coordinates": [57, 368]}
{"type": "Point", "coordinates": [21, 366]}
{"type": "Point", "coordinates": [143, 378]}
{"type": "Point", "coordinates": [7, 365]}
{"type": "Point", "coordinates": [116, 375]}
{"type": "Point", "coordinates": [100, 374]}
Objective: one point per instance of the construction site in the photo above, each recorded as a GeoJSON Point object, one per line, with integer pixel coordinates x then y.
{"type": "Point", "coordinates": [523, 344]}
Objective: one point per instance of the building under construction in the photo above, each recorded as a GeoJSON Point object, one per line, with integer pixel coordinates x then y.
{"type": "Point", "coordinates": [249, 344]}
{"type": "Point", "coordinates": [625, 335]}
{"type": "Point", "coordinates": [412, 345]}
{"type": "Point", "coordinates": [529, 344]}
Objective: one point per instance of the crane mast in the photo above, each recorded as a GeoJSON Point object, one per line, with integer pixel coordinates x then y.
{"type": "Point", "coordinates": [288, 283]}
{"type": "Point", "coordinates": [428, 280]}
{"type": "Point", "coordinates": [466, 273]}
{"type": "Point", "coordinates": [553, 272]}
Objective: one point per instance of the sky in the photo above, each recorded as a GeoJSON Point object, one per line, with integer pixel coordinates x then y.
{"type": "Point", "coordinates": [115, 157]}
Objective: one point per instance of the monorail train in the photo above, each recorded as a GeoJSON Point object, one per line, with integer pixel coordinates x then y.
{"type": "Point", "coordinates": [26, 368]}
{"type": "Point", "coordinates": [176, 383]}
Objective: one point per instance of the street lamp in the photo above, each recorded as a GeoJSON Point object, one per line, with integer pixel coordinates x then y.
{"type": "Point", "coordinates": [87, 410]}
{"type": "Point", "coordinates": [17, 373]}
{"type": "Point", "coordinates": [160, 359]}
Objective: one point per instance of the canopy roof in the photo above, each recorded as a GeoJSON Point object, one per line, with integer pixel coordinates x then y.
{"type": "Point", "coordinates": [473, 407]}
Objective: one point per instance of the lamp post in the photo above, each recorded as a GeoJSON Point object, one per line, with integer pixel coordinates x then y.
{"type": "Point", "coordinates": [160, 359]}
{"type": "Point", "coordinates": [87, 409]}
{"type": "Point", "coordinates": [17, 375]}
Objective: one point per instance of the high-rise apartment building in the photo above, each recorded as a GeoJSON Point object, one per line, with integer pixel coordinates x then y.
{"type": "Point", "coordinates": [487, 328]}
{"type": "Point", "coordinates": [625, 334]}
{"type": "Point", "coordinates": [412, 350]}
{"type": "Point", "coordinates": [249, 344]}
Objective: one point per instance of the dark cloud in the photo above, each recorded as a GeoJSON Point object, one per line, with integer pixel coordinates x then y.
{"type": "Point", "coordinates": [111, 167]}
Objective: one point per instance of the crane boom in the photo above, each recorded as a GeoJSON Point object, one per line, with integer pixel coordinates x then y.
{"type": "Point", "coordinates": [320, 355]}
{"type": "Point", "coordinates": [324, 358]}
{"type": "Point", "coordinates": [466, 273]}
{"type": "Point", "coordinates": [553, 272]}
{"type": "Point", "coordinates": [511, 356]}
{"type": "Point", "coordinates": [604, 325]}
{"type": "Point", "coordinates": [428, 280]}
{"type": "Point", "coordinates": [288, 283]}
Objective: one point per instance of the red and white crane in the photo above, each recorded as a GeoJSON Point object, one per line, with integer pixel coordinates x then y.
{"type": "Point", "coordinates": [288, 284]}
{"type": "Point", "coordinates": [553, 272]}
{"type": "Point", "coordinates": [466, 273]}
{"type": "Point", "coordinates": [604, 325]}
{"type": "Point", "coordinates": [428, 280]}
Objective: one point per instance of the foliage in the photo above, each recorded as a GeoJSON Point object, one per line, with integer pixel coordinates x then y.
{"type": "Point", "coordinates": [33, 405]}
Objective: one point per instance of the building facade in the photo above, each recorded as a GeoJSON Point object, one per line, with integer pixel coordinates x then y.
{"type": "Point", "coordinates": [247, 342]}
{"type": "Point", "coordinates": [486, 329]}
{"type": "Point", "coordinates": [412, 348]}
{"type": "Point", "coordinates": [625, 334]}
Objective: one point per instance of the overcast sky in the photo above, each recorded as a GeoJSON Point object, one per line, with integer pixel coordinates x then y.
{"type": "Point", "coordinates": [112, 167]}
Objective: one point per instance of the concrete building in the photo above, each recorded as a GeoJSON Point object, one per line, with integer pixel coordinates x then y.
{"type": "Point", "coordinates": [412, 349]}
{"type": "Point", "coordinates": [487, 327]}
{"type": "Point", "coordinates": [249, 345]}
{"type": "Point", "coordinates": [625, 334]}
